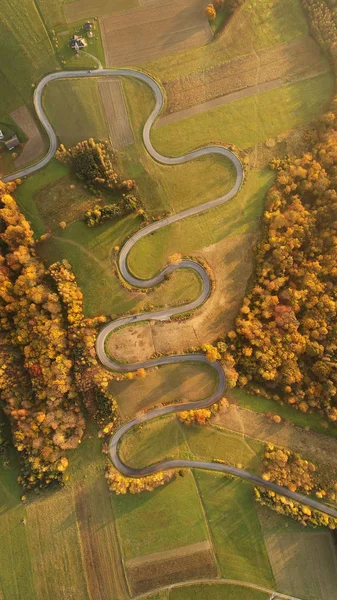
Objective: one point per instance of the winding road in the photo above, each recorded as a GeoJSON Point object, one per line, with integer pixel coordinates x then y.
{"type": "Point", "coordinates": [166, 313]}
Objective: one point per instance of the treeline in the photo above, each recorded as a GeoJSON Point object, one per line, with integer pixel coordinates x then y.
{"type": "Point", "coordinates": [37, 388]}
{"type": "Point", "coordinates": [287, 469]}
{"type": "Point", "coordinates": [290, 508]}
{"type": "Point", "coordinates": [284, 342]}
{"type": "Point", "coordinates": [47, 349]}
{"type": "Point", "coordinates": [285, 338]}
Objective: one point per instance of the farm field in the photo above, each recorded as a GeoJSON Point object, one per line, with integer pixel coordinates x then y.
{"type": "Point", "coordinates": [290, 548]}
{"type": "Point", "coordinates": [69, 106]}
{"type": "Point", "coordinates": [291, 61]}
{"type": "Point", "coordinates": [259, 25]}
{"type": "Point", "coordinates": [154, 30]}
{"type": "Point", "coordinates": [82, 9]}
{"type": "Point", "coordinates": [168, 438]}
{"type": "Point", "coordinates": [170, 383]}
{"type": "Point", "coordinates": [251, 120]}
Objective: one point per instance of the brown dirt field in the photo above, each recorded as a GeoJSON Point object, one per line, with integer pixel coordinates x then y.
{"type": "Point", "coordinates": [316, 446]}
{"type": "Point", "coordinates": [83, 9]}
{"type": "Point", "coordinates": [144, 576]}
{"type": "Point", "coordinates": [115, 113]}
{"type": "Point", "coordinates": [103, 562]}
{"type": "Point", "coordinates": [171, 383]}
{"type": "Point", "coordinates": [282, 63]}
{"type": "Point", "coordinates": [231, 261]}
{"type": "Point", "coordinates": [146, 33]}
{"type": "Point", "coordinates": [34, 146]}
{"type": "Point", "coordinates": [292, 553]}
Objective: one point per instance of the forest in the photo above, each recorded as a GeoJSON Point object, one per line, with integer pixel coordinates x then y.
{"type": "Point", "coordinates": [285, 338]}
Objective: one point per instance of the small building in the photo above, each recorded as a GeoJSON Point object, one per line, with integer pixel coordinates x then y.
{"type": "Point", "coordinates": [88, 28]}
{"type": "Point", "coordinates": [2, 137]}
{"type": "Point", "coordinates": [76, 43]}
{"type": "Point", "coordinates": [13, 142]}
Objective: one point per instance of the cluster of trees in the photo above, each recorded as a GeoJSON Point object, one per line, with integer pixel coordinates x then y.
{"type": "Point", "coordinates": [201, 416]}
{"type": "Point", "coordinates": [36, 382]}
{"type": "Point", "coordinates": [92, 162]}
{"type": "Point", "coordinates": [297, 474]}
{"type": "Point", "coordinates": [299, 512]}
{"type": "Point", "coordinates": [98, 214]}
{"type": "Point", "coordinates": [285, 339]}
{"type": "Point", "coordinates": [120, 484]}
{"type": "Point", "coordinates": [92, 380]}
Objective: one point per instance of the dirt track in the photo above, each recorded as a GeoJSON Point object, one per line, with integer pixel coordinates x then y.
{"type": "Point", "coordinates": [156, 29]}
{"type": "Point", "coordinates": [115, 113]}
{"type": "Point", "coordinates": [34, 146]}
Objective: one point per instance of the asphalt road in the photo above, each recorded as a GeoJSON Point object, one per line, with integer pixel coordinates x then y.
{"type": "Point", "coordinates": [166, 313]}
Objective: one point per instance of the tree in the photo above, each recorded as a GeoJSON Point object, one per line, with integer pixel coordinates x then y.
{"type": "Point", "coordinates": [210, 12]}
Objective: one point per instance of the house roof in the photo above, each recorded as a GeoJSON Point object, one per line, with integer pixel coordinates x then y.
{"type": "Point", "coordinates": [12, 142]}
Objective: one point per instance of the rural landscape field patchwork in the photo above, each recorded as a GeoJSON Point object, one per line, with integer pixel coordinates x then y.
{"type": "Point", "coordinates": [168, 305]}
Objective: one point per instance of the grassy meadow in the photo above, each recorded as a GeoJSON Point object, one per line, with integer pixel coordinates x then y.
{"type": "Point", "coordinates": [25, 43]}
{"type": "Point", "coordinates": [251, 120]}
{"type": "Point", "coordinates": [168, 438]}
{"type": "Point", "coordinates": [259, 25]}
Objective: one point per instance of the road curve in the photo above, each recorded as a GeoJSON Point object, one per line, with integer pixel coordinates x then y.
{"type": "Point", "coordinates": [219, 581]}
{"type": "Point", "coordinates": [166, 313]}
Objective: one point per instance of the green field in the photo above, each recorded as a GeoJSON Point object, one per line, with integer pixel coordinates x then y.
{"type": "Point", "coordinates": [29, 54]}
{"type": "Point", "coordinates": [235, 529]}
{"type": "Point", "coordinates": [251, 120]}
{"type": "Point", "coordinates": [157, 529]}
{"type": "Point", "coordinates": [167, 438]}
{"type": "Point", "coordinates": [75, 110]}
{"type": "Point", "coordinates": [260, 25]}
{"type": "Point", "coordinates": [215, 591]}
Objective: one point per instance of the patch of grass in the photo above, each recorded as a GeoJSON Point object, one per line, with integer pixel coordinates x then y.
{"type": "Point", "coordinates": [26, 192]}
{"type": "Point", "coordinates": [214, 592]}
{"type": "Point", "coordinates": [89, 252]}
{"type": "Point", "coordinates": [153, 442]}
{"type": "Point", "coordinates": [26, 50]}
{"type": "Point", "coordinates": [74, 108]}
{"type": "Point", "coordinates": [16, 572]}
{"type": "Point", "coordinates": [259, 25]}
{"type": "Point", "coordinates": [313, 421]}
{"type": "Point", "coordinates": [169, 384]}
{"type": "Point", "coordinates": [241, 214]}
{"type": "Point", "coordinates": [251, 120]}
{"type": "Point", "coordinates": [167, 518]}
{"type": "Point", "coordinates": [163, 187]}
{"type": "Point", "coordinates": [235, 529]}
{"type": "Point", "coordinates": [167, 438]}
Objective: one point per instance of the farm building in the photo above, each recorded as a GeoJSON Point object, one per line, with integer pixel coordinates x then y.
{"type": "Point", "coordinates": [12, 143]}
{"type": "Point", "coordinates": [77, 43]}
{"type": "Point", "coordinates": [1, 136]}
{"type": "Point", "coordinates": [88, 28]}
